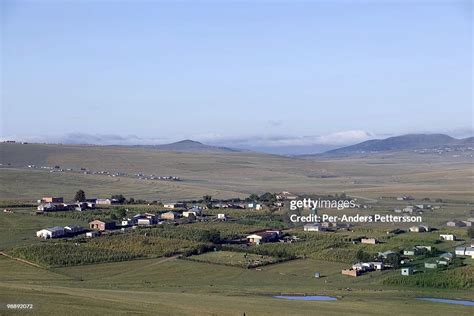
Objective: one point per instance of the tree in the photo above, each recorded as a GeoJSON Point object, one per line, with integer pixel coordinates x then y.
{"type": "Point", "coordinates": [80, 196]}
{"type": "Point", "coordinates": [252, 198]}
{"type": "Point", "coordinates": [119, 197]}
{"type": "Point", "coordinates": [207, 199]}
{"type": "Point", "coordinates": [470, 232]}
{"type": "Point", "coordinates": [212, 235]}
{"type": "Point", "coordinates": [121, 213]}
{"type": "Point", "coordinates": [363, 256]}
{"type": "Point", "coordinates": [268, 197]}
{"type": "Point", "coordinates": [393, 260]}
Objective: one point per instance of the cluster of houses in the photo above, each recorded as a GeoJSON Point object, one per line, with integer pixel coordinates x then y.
{"type": "Point", "coordinates": [413, 209]}
{"type": "Point", "coordinates": [107, 173]}
{"type": "Point", "coordinates": [142, 176]}
{"type": "Point", "coordinates": [147, 219]}
{"type": "Point", "coordinates": [466, 223]}
{"type": "Point", "coordinates": [360, 268]}
{"type": "Point", "coordinates": [443, 259]}
{"type": "Point", "coordinates": [286, 196]}
{"type": "Point", "coordinates": [326, 227]}
{"type": "Point", "coordinates": [416, 251]}
{"type": "Point", "coordinates": [363, 267]}
{"type": "Point", "coordinates": [255, 205]}
{"type": "Point", "coordinates": [51, 204]}
{"type": "Point", "coordinates": [460, 150]}
{"type": "Point", "coordinates": [405, 198]}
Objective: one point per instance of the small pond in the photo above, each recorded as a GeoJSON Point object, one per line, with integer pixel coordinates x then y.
{"type": "Point", "coordinates": [307, 298]}
{"type": "Point", "coordinates": [442, 300]}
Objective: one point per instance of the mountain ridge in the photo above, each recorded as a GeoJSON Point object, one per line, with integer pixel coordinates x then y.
{"type": "Point", "coordinates": [400, 143]}
{"type": "Point", "coordinates": [188, 145]}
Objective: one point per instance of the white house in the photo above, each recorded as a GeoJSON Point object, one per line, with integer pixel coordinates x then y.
{"type": "Point", "coordinates": [92, 234]}
{"type": "Point", "coordinates": [105, 201]}
{"type": "Point", "coordinates": [51, 232]}
{"type": "Point", "coordinates": [359, 267]}
{"type": "Point", "coordinates": [408, 209]}
{"type": "Point", "coordinates": [419, 229]}
{"type": "Point", "coordinates": [465, 251]}
{"type": "Point", "coordinates": [407, 271]}
{"type": "Point", "coordinates": [255, 206]}
{"type": "Point", "coordinates": [378, 265]}
{"type": "Point", "coordinates": [455, 224]}
{"type": "Point", "coordinates": [460, 251]}
{"type": "Point", "coordinates": [127, 222]}
{"type": "Point", "coordinates": [173, 205]}
{"type": "Point", "coordinates": [449, 237]}
{"type": "Point", "coordinates": [189, 214]}
{"type": "Point", "coordinates": [285, 195]}
{"type": "Point", "coordinates": [267, 236]}
{"type": "Point", "coordinates": [315, 227]}
{"type": "Point", "coordinates": [144, 222]}
{"type": "Point", "coordinates": [469, 251]}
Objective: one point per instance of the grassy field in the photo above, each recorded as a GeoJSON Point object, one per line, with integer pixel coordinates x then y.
{"type": "Point", "coordinates": [177, 287]}
{"type": "Point", "coordinates": [237, 259]}
{"type": "Point", "coordinates": [20, 227]}
{"type": "Point", "coordinates": [225, 175]}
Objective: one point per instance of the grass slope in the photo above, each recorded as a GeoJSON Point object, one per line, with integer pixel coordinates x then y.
{"type": "Point", "coordinates": [225, 174]}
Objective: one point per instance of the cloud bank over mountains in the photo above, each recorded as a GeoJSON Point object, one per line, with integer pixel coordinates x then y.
{"type": "Point", "coordinates": [271, 143]}
{"type": "Point", "coordinates": [339, 138]}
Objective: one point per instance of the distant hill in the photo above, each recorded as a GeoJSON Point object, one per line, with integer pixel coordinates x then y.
{"type": "Point", "coordinates": [188, 145]}
{"type": "Point", "coordinates": [402, 143]}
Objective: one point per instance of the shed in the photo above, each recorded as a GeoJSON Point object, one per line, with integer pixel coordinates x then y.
{"type": "Point", "coordinates": [431, 265]}
{"type": "Point", "coordinates": [407, 271]}
{"type": "Point", "coordinates": [101, 225]}
{"type": "Point", "coordinates": [92, 234]}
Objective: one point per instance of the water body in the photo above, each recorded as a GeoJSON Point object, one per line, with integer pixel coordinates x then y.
{"type": "Point", "coordinates": [442, 300]}
{"type": "Point", "coordinates": [307, 298]}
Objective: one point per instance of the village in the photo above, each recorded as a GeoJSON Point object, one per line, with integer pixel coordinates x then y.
{"type": "Point", "coordinates": [86, 171]}
{"type": "Point", "coordinates": [409, 261]}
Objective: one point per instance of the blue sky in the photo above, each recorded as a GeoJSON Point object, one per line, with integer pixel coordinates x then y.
{"type": "Point", "coordinates": [261, 72]}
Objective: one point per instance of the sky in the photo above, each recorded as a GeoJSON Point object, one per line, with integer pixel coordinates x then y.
{"type": "Point", "coordinates": [261, 73]}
